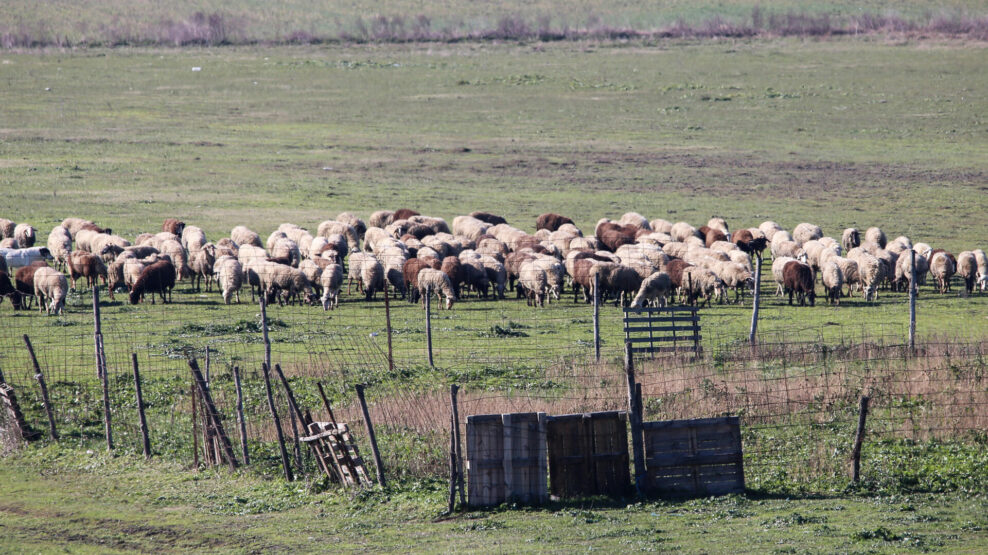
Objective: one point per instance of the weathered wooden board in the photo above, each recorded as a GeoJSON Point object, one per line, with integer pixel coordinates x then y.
{"type": "Point", "coordinates": [657, 327]}
{"type": "Point", "coordinates": [485, 460]}
{"type": "Point", "coordinates": [506, 459]}
{"type": "Point", "coordinates": [694, 457]}
{"type": "Point", "coordinates": [588, 454]}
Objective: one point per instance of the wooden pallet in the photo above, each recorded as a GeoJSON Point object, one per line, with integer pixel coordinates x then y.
{"type": "Point", "coordinates": [694, 458]}
{"type": "Point", "coordinates": [665, 329]}
{"type": "Point", "coordinates": [337, 453]}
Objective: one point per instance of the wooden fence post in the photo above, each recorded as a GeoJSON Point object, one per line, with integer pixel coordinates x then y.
{"type": "Point", "coordinates": [145, 439]}
{"type": "Point", "coordinates": [754, 310]}
{"type": "Point", "coordinates": [913, 291]}
{"type": "Point", "coordinates": [277, 421]}
{"type": "Point", "coordinates": [637, 440]}
{"type": "Point", "coordinates": [45, 400]}
{"type": "Point", "coordinates": [596, 316]}
{"type": "Point", "coordinates": [240, 415]}
{"type": "Point", "coordinates": [387, 322]}
{"type": "Point", "coordinates": [370, 434]}
{"type": "Point", "coordinates": [108, 428]}
{"type": "Point", "coordinates": [325, 403]}
{"type": "Point", "coordinates": [264, 331]}
{"type": "Point", "coordinates": [859, 437]}
{"type": "Point", "coordinates": [453, 389]}
{"type": "Point", "coordinates": [195, 426]}
{"type": "Point", "coordinates": [428, 323]}
{"type": "Point", "coordinates": [209, 408]}
{"type": "Point", "coordinates": [451, 504]}
{"type": "Point", "coordinates": [207, 364]}
{"type": "Point", "coordinates": [98, 334]}
{"type": "Point", "coordinates": [295, 413]}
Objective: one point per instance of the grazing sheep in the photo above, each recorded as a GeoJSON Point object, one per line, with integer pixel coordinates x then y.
{"type": "Point", "coordinates": [172, 225]}
{"type": "Point", "coordinates": [833, 281]}
{"type": "Point", "coordinates": [7, 228]}
{"type": "Point", "coordinates": [797, 278]}
{"type": "Point", "coordinates": [982, 261]}
{"type": "Point", "coordinates": [532, 282]}
{"type": "Point", "coordinates": [555, 274]}
{"type": "Point", "coordinates": [747, 242]}
{"type": "Point", "coordinates": [850, 239]}
{"type": "Point", "coordinates": [243, 236]}
{"type": "Point", "coordinates": [875, 235]}
{"type": "Point", "coordinates": [291, 283]}
{"type": "Point", "coordinates": [475, 276]}
{"type": "Point", "coordinates": [333, 227]}
{"type": "Point", "coordinates": [74, 225]}
{"type": "Point", "coordinates": [285, 251]}
{"type": "Point", "coordinates": [719, 224]}
{"type": "Point", "coordinates": [681, 230]}
{"type": "Point", "coordinates": [7, 290]}
{"type": "Point", "coordinates": [489, 218]}
{"type": "Point", "coordinates": [410, 271]}
{"type": "Point", "coordinates": [871, 273]}
{"type": "Point", "coordinates": [381, 218]}
{"type": "Point", "coordinates": [368, 272]}
{"type": "Point", "coordinates": [249, 253]}
{"type": "Point", "coordinates": [660, 225]}
{"type": "Point", "coordinates": [437, 225]}
{"type": "Point", "coordinates": [712, 236]}
{"type": "Point", "coordinates": [942, 267]}
{"type": "Point", "coordinates": [350, 219]}
{"type": "Point", "coordinates": [790, 249]}
{"type": "Point", "coordinates": [158, 277]}
{"type": "Point", "coordinates": [967, 268]}
{"type": "Point", "coordinates": [90, 266]}
{"type": "Point", "coordinates": [452, 267]}
{"type": "Point", "coordinates": [470, 227]}
{"type": "Point", "coordinates": [201, 262]}
{"type": "Point", "coordinates": [60, 245]}
{"type": "Point", "coordinates": [392, 261]}
{"type": "Point", "coordinates": [769, 229]}
{"type": "Point", "coordinates": [806, 232]}
{"type": "Point", "coordinates": [497, 275]}
{"type": "Point", "coordinates": [10, 243]}
{"type": "Point", "coordinates": [635, 219]}
{"type": "Point", "coordinates": [435, 281]}
{"type": "Point", "coordinates": [331, 280]}
{"type": "Point", "coordinates": [173, 250]}
{"type": "Point", "coordinates": [51, 288]}
{"type": "Point", "coordinates": [655, 287]}
{"type": "Point", "coordinates": [403, 214]}
{"type": "Point", "coordinates": [24, 281]}
{"type": "Point", "coordinates": [676, 249]}
{"type": "Point", "coordinates": [551, 221]}
{"type": "Point", "coordinates": [735, 276]}
{"type": "Point", "coordinates": [229, 275]}
{"type": "Point", "coordinates": [193, 238]}
{"type": "Point", "coordinates": [132, 268]}
{"type": "Point", "coordinates": [700, 283]}
{"type": "Point", "coordinates": [25, 235]}
{"type": "Point", "coordinates": [904, 268]}
{"type": "Point", "coordinates": [742, 258]}
{"type": "Point", "coordinates": [618, 280]}
{"type": "Point", "coordinates": [777, 273]}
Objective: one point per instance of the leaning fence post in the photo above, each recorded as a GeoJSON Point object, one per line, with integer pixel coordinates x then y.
{"type": "Point", "coordinates": [240, 415]}
{"type": "Point", "coordinates": [370, 434]}
{"type": "Point", "coordinates": [637, 445]}
{"type": "Point", "coordinates": [754, 309]}
{"type": "Point", "coordinates": [45, 400]}
{"type": "Point", "coordinates": [277, 421]}
{"type": "Point", "coordinates": [913, 290]}
{"type": "Point", "coordinates": [453, 389]}
{"type": "Point", "coordinates": [145, 440]}
{"type": "Point", "coordinates": [207, 364]}
{"type": "Point", "coordinates": [264, 331]}
{"type": "Point", "coordinates": [428, 323]}
{"type": "Point", "coordinates": [294, 415]}
{"type": "Point", "coordinates": [596, 316]}
{"type": "Point", "coordinates": [859, 436]}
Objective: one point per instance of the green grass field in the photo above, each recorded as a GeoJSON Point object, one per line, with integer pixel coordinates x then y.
{"type": "Point", "coordinates": [863, 132]}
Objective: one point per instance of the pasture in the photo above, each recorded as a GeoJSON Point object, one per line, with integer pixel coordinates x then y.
{"type": "Point", "coordinates": [839, 133]}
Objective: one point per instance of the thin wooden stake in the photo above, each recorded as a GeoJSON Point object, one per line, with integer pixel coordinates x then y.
{"type": "Point", "coordinates": [295, 416]}
{"type": "Point", "coordinates": [97, 332]}
{"type": "Point", "coordinates": [216, 424]}
{"type": "Point", "coordinates": [859, 437]}
{"type": "Point", "coordinates": [453, 389]}
{"type": "Point", "coordinates": [45, 400]}
{"type": "Point", "coordinates": [596, 316]}
{"type": "Point", "coordinates": [207, 364]}
{"type": "Point", "coordinates": [370, 434]}
{"type": "Point", "coordinates": [107, 427]}
{"type": "Point", "coordinates": [913, 291]}
{"type": "Point", "coordinates": [428, 324]}
{"type": "Point", "coordinates": [195, 426]}
{"type": "Point", "coordinates": [754, 310]}
{"type": "Point", "coordinates": [264, 331]}
{"type": "Point", "coordinates": [387, 322]}
{"type": "Point", "coordinates": [277, 423]}
{"type": "Point", "coordinates": [242, 424]}
{"type": "Point", "coordinates": [452, 464]}
{"type": "Point", "coordinates": [637, 440]}
{"type": "Point", "coordinates": [145, 439]}
{"type": "Point", "coordinates": [325, 403]}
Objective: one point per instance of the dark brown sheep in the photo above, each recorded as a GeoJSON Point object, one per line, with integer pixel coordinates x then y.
{"type": "Point", "coordinates": [612, 235]}
{"type": "Point", "coordinates": [8, 290]}
{"type": "Point", "coordinates": [620, 281]}
{"type": "Point", "coordinates": [488, 218]}
{"type": "Point", "coordinates": [89, 266]}
{"type": "Point", "coordinates": [675, 269]}
{"type": "Point", "coordinates": [156, 278]}
{"type": "Point", "coordinates": [93, 227]}
{"type": "Point", "coordinates": [713, 235]}
{"type": "Point", "coordinates": [454, 270]}
{"type": "Point", "coordinates": [551, 221]}
{"type": "Point", "coordinates": [798, 278]}
{"type": "Point", "coordinates": [419, 231]}
{"type": "Point", "coordinates": [749, 243]}
{"type": "Point", "coordinates": [403, 214]}
{"type": "Point", "coordinates": [410, 271]}
{"type": "Point", "coordinates": [24, 281]}
{"type": "Point", "coordinates": [582, 278]}
{"type": "Point", "coordinates": [172, 225]}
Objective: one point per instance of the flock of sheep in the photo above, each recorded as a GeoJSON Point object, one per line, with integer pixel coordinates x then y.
{"type": "Point", "coordinates": [633, 260]}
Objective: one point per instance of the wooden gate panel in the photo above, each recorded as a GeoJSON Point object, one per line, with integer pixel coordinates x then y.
{"type": "Point", "coordinates": [485, 460]}
{"type": "Point", "coordinates": [694, 457]}
{"type": "Point", "coordinates": [525, 477]}
{"type": "Point", "coordinates": [568, 438]}
{"type": "Point", "coordinates": [609, 431]}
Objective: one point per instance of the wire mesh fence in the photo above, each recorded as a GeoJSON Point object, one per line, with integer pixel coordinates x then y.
{"type": "Point", "coordinates": [796, 393]}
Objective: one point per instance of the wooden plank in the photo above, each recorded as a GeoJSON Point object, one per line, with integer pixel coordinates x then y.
{"type": "Point", "coordinates": [697, 423]}
{"type": "Point", "coordinates": [684, 459]}
{"type": "Point", "coordinates": [681, 339]}
{"type": "Point", "coordinates": [524, 457]}
{"type": "Point", "coordinates": [610, 453]}
{"type": "Point", "coordinates": [485, 454]}
{"type": "Point", "coordinates": [640, 320]}
{"type": "Point", "coordinates": [694, 457]}
{"type": "Point", "coordinates": [660, 329]}
{"type": "Point", "coordinates": [677, 349]}
{"type": "Point", "coordinates": [653, 309]}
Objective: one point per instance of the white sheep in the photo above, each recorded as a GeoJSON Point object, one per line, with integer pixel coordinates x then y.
{"type": "Point", "coordinates": [331, 280]}
{"type": "Point", "coordinates": [555, 273]}
{"type": "Point", "coordinates": [434, 281]}
{"type": "Point", "coordinates": [312, 272]}
{"type": "Point", "coordinates": [496, 274]}
{"type": "Point", "coordinates": [982, 261]}
{"type": "Point", "coordinates": [7, 228]}
{"type": "Point", "coordinates": [25, 235]}
{"type": "Point", "coordinates": [777, 266]}
{"type": "Point", "coordinates": [174, 251]}
{"type": "Point", "coordinates": [243, 236]}
{"type": "Point", "coordinates": [871, 272]}
{"type": "Point", "coordinates": [719, 224]}
{"type": "Point", "coordinates": [470, 227]}
{"type": "Point", "coordinates": [655, 287]}
{"type": "Point", "coordinates": [681, 230]}
{"type": "Point", "coordinates": [661, 226]}
{"type": "Point", "coordinates": [229, 274]}
{"type": "Point", "coordinates": [635, 219]}
{"type": "Point", "coordinates": [330, 227]}
{"type": "Point", "coordinates": [806, 232]}
{"type": "Point", "coordinates": [367, 271]}
{"type": "Point", "coordinates": [201, 262]}
{"type": "Point", "coordinates": [876, 235]}
{"type": "Point", "coordinates": [769, 229]}
{"type": "Point", "coordinates": [967, 268]}
{"type": "Point", "coordinates": [60, 245]}
{"type": "Point", "coordinates": [833, 281]}
{"type": "Point", "coordinates": [381, 218]}
{"type": "Point", "coordinates": [51, 287]}
{"type": "Point", "coordinates": [193, 238]}
{"type": "Point", "coordinates": [533, 282]}
{"type": "Point", "coordinates": [942, 268]}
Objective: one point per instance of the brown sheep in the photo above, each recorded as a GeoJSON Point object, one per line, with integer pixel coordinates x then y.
{"type": "Point", "coordinates": [612, 235]}
{"type": "Point", "coordinates": [712, 236]}
{"type": "Point", "coordinates": [488, 217]}
{"type": "Point", "coordinates": [551, 221]}
{"type": "Point", "coordinates": [403, 214]}
{"type": "Point", "coordinates": [24, 281]}
{"type": "Point", "coordinates": [90, 266]}
{"type": "Point", "coordinates": [159, 278]}
{"type": "Point", "coordinates": [798, 278]}
{"type": "Point", "coordinates": [410, 270]}
{"type": "Point", "coordinates": [8, 290]}
{"type": "Point", "coordinates": [452, 267]}
{"type": "Point", "coordinates": [172, 225]}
